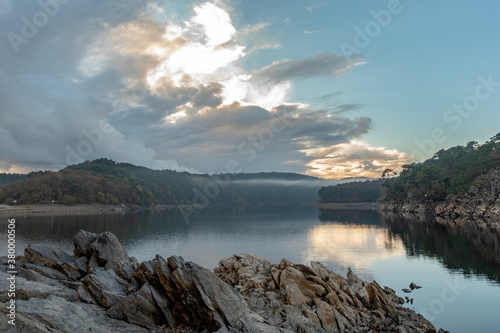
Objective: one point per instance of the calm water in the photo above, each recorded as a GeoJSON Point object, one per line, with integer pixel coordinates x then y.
{"type": "Point", "coordinates": [458, 270]}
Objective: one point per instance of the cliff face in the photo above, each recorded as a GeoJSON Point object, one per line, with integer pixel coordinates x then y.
{"type": "Point", "coordinates": [101, 289]}
{"type": "Point", "coordinates": [482, 201]}
{"type": "Point", "coordinates": [410, 207]}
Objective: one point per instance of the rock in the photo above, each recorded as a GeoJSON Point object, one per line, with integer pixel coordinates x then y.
{"type": "Point", "coordinates": [295, 296]}
{"type": "Point", "coordinates": [53, 257]}
{"type": "Point", "coordinates": [296, 321]}
{"type": "Point", "coordinates": [26, 289]}
{"type": "Point", "coordinates": [413, 286]}
{"type": "Point", "coordinates": [55, 314]}
{"type": "Point", "coordinates": [406, 290]}
{"type": "Point", "coordinates": [199, 299]}
{"type": "Point", "coordinates": [107, 250]}
{"type": "Point", "coordinates": [101, 289]}
{"type": "Point", "coordinates": [105, 286]}
{"type": "Point", "coordinates": [138, 308]}
{"type": "Point", "coordinates": [82, 241]}
{"type": "Point", "coordinates": [307, 288]}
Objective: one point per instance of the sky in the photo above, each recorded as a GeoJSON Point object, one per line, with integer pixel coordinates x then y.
{"type": "Point", "coordinates": [327, 88]}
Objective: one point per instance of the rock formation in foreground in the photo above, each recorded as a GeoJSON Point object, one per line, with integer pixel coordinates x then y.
{"type": "Point", "coordinates": [101, 289]}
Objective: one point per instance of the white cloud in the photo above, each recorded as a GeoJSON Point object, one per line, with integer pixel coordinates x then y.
{"type": "Point", "coordinates": [353, 159]}
{"type": "Point", "coordinates": [216, 23]}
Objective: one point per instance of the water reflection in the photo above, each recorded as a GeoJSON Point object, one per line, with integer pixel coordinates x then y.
{"type": "Point", "coordinates": [352, 238]}
{"type": "Point", "coordinates": [467, 246]}
{"type": "Point", "coordinates": [392, 249]}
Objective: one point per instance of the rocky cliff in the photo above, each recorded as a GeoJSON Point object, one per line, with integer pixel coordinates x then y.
{"type": "Point", "coordinates": [101, 289]}
{"type": "Point", "coordinates": [481, 201]}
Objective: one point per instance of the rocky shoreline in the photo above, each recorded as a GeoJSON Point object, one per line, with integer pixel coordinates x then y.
{"type": "Point", "coordinates": [101, 289]}
{"type": "Point", "coordinates": [481, 202]}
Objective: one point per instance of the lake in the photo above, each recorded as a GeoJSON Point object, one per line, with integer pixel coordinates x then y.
{"type": "Point", "coordinates": [458, 268]}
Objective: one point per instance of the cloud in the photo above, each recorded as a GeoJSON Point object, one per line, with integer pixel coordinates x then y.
{"type": "Point", "coordinates": [354, 159]}
{"type": "Point", "coordinates": [113, 80]}
{"type": "Point", "coordinates": [324, 64]}
{"type": "Point", "coordinates": [257, 37]}
{"type": "Point", "coordinates": [311, 9]}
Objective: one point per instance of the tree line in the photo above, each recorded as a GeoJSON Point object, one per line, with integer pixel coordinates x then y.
{"type": "Point", "coordinates": [107, 182]}
{"type": "Point", "coordinates": [448, 174]}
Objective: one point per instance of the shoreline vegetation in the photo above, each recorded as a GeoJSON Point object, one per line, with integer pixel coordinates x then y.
{"type": "Point", "coordinates": [99, 288]}
{"type": "Point", "coordinates": [458, 182]}
{"type": "Point", "coordinates": [78, 209]}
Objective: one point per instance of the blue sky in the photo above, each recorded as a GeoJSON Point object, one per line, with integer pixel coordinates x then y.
{"type": "Point", "coordinates": [318, 87]}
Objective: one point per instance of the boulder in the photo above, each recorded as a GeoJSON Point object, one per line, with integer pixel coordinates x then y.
{"type": "Point", "coordinates": [138, 308]}
{"type": "Point", "coordinates": [82, 241]}
{"type": "Point", "coordinates": [56, 314]}
{"type": "Point", "coordinates": [105, 286]}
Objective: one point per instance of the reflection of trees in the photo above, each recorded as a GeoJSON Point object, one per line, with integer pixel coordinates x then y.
{"type": "Point", "coordinates": [471, 247]}
{"type": "Point", "coordinates": [351, 216]}
{"type": "Point", "coordinates": [124, 226]}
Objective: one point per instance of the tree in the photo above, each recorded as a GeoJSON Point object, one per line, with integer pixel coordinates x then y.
{"type": "Point", "coordinates": [69, 200]}
{"type": "Point", "coordinates": [388, 173]}
{"type": "Point", "coordinates": [101, 198]}
{"type": "Point", "coordinates": [495, 138]}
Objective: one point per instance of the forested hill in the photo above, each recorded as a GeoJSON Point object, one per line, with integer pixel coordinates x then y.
{"type": "Point", "coordinates": [448, 174]}
{"type": "Point", "coordinates": [367, 191]}
{"type": "Point", "coordinates": [6, 178]}
{"type": "Point", "coordinates": [105, 181]}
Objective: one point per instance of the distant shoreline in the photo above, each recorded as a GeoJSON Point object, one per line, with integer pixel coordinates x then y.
{"type": "Point", "coordinates": [347, 205]}
{"type": "Point", "coordinates": [79, 209]}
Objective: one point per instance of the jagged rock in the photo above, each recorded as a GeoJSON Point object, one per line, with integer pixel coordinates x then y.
{"type": "Point", "coordinates": [107, 250]}
{"type": "Point", "coordinates": [295, 296]}
{"type": "Point", "coordinates": [413, 286]}
{"type": "Point", "coordinates": [82, 241]}
{"type": "Point", "coordinates": [337, 304]}
{"type": "Point", "coordinates": [26, 289]}
{"type": "Point", "coordinates": [307, 288]}
{"type": "Point", "coordinates": [53, 257]}
{"type": "Point", "coordinates": [138, 308]}
{"type": "Point", "coordinates": [55, 314]}
{"type": "Point", "coordinates": [197, 297]}
{"type": "Point", "coordinates": [105, 286]}
{"type": "Point", "coordinates": [62, 293]}
{"type": "Point", "coordinates": [296, 321]}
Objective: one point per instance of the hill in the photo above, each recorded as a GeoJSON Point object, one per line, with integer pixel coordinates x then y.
{"type": "Point", "coordinates": [367, 191]}
{"type": "Point", "coordinates": [6, 178]}
{"type": "Point", "coordinates": [448, 174]}
{"type": "Point", "coordinates": [108, 182]}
